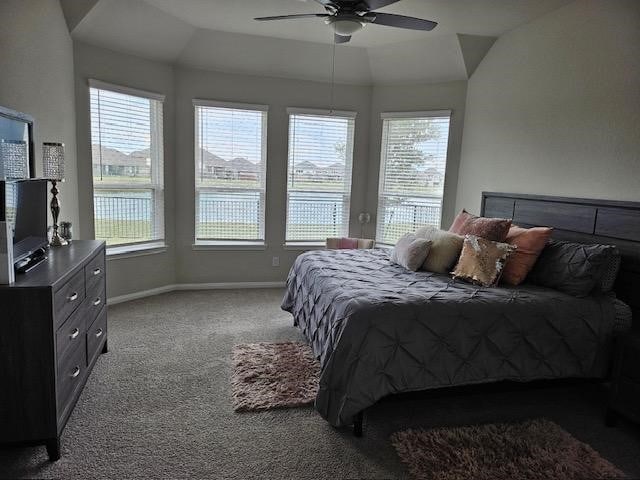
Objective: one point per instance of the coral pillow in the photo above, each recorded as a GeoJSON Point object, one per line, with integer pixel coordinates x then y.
{"type": "Point", "coordinates": [530, 242]}
{"type": "Point", "coordinates": [494, 229]}
{"type": "Point", "coordinates": [482, 260]}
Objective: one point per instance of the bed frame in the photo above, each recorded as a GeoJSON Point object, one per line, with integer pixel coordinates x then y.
{"type": "Point", "coordinates": [581, 220]}
{"type": "Point", "coordinates": [575, 219]}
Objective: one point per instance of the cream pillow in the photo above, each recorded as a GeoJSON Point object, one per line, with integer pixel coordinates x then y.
{"type": "Point", "coordinates": [445, 249]}
{"type": "Point", "coordinates": [410, 251]}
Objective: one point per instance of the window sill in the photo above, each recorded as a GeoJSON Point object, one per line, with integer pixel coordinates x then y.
{"type": "Point", "coordinates": [129, 251]}
{"type": "Point", "coordinates": [204, 245]}
{"type": "Point", "coordinates": [304, 246]}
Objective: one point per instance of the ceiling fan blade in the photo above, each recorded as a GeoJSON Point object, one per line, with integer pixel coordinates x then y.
{"type": "Point", "coordinates": [341, 39]}
{"type": "Point", "coordinates": [292, 17]}
{"type": "Point", "coordinates": [400, 21]}
{"type": "Point", "coordinates": [329, 4]}
{"type": "Point", "coordinates": [376, 4]}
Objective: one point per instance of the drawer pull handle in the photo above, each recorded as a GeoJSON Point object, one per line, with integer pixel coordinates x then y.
{"type": "Point", "coordinates": [97, 272]}
{"type": "Point", "coordinates": [97, 302]}
{"type": "Point", "coordinates": [74, 334]}
{"type": "Point", "coordinates": [76, 372]}
{"type": "Point", "coordinates": [99, 333]}
{"type": "Point", "coordinates": [73, 297]}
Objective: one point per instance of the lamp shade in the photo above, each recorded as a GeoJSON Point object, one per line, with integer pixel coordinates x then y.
{"type": "Point", "coordinates": [53, 160]}
{"type": "Point", "coordinates": [346, 27]}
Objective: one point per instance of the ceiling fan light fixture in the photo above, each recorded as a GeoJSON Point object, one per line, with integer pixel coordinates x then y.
{"type": "Point", "coordinates": [345, 27]}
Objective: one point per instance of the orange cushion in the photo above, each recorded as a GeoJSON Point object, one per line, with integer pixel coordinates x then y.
{"type": "Point", "coordinates": [530, 242]}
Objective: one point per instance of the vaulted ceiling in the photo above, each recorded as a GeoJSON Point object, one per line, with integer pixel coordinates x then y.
{"type": "Point", "coordinates": [222, 35]}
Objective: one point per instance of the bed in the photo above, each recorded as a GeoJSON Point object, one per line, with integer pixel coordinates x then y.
{"type": "Point", "coordinates": [378, 329]}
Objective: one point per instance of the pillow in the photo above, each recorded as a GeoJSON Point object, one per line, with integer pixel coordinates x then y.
{"type": "Point", "coordinates": [530, 243]}
{"type": "Point", "coordinates": [610, 274]}
{"type": "Point", "coordinates": [338, 243]}
{"type": "Point", "coordinates": [445, 249]}
{"type": "Point", "coordinates": [410, 251]}
{"type": "Point", "coordinates": [495, 229]}
{"type": "Point", "coordinates": [572, 268]}
{"type": "Point", "coordinates": [482, 260]}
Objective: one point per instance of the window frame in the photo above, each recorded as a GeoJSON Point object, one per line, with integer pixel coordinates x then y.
{"type": "Point", "coordinates": [156, 185]}
{"type": "Point", "coordinates": [346, 196]}
{"type": "Point", "coordinates": [385, 116]}
{"type": "Point", "coordinates": [230, 244]}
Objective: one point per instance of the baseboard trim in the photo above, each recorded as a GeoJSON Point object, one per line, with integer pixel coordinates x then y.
{"type": "Point", "coordinates": [192, 286]}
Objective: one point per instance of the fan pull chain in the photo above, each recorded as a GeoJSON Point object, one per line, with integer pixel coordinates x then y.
{"type": "Point", "coordinates": [333, 76]}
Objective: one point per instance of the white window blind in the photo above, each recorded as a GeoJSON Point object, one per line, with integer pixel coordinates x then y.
{"type": "Point", "coordinates": [230, 162]}
{"type": "Point", "coordinates": [412, 171]}
{"type": "Point", "coordinates": [319, 175]}
{"type": "Point", "coordinates": [127, 158]}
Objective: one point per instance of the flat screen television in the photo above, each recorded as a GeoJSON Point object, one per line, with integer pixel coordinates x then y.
{"type": "Point", "coordinates": [23, 204]}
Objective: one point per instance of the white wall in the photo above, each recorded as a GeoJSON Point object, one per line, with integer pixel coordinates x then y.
{"type": "Point", "coordinates": [126, 275]}
{"type": "Point", "coordinates": [554, 107]}
{"type": "Point", "coordinates": [36, 77]}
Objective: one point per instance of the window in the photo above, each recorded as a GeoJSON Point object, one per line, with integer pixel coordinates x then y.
{"type": "Point", "coordinates": [230, 156]}
{"type": "Point", "coordinates": [412, 171]}
{"type": "Point", "coordinates": [127, 157]}
{"type": "Point", "coordinates": [319, 175]}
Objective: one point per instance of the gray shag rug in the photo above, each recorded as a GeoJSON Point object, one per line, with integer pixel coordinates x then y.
{"type": "Point", "coordinates": [159, 406]}
{"type": "Point", "coordinates": [531, 450]}
{"type": "Point", "coordinates": [273, 375]}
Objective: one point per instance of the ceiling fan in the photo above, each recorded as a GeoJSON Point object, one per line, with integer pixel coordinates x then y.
{"type": "Point", "coordinates": [347, 17]}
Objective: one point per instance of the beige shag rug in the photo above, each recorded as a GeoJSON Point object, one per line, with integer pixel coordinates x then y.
{"type": "Point", "coordinates": [273, 375]}
{"type": "Point", "coordinates": [532, 450]}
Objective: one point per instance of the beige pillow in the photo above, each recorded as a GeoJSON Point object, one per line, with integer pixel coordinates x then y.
{"type": "Point", "coordinates": [445, 249]}
{"type": "Point", "coordinates": [410, 251]}
{"type": "Point", "coordinates": [482, 260]}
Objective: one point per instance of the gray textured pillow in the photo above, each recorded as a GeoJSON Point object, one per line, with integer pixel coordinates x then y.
{"type": "Point", "coordinates": [410, 251]}
{"type": "Point", "coordinates": [572, 268]}
{"type": "Point", "coordinates": [445, 249]}
{"type": "Point", "coordinates": [610, 274]}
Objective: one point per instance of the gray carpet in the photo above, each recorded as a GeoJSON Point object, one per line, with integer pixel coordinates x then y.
{"type": "Point", "coordinates": [159, 406]}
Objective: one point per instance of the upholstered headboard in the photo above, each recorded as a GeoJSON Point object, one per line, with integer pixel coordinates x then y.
{"type": "Point", "coordinates": [581, 220]}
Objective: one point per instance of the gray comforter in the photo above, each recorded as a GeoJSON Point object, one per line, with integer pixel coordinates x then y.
{"type": "Point", "coordinates": [379, 329]}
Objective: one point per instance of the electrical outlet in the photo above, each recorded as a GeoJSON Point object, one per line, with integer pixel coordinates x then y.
{"type": "Point", "coordinates": [275, 262]}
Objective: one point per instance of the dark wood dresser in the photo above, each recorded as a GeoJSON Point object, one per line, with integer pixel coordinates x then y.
{"type": "Point", "coordinates": [625, 391]}
{"type": "Point", "coordinates": [53, 326]}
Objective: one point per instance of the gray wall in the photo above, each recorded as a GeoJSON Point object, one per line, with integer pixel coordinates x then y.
{"type": "Point", "coordinates": [554, 108]}
{"type": "Point", "coordinates": [130, 274]}
{"type": "Point", "coordinates": [36, 77]}
{"type": "Point", "coordinates": [181, 263]}
{"type": "Point", "coordinates": [440, 96]}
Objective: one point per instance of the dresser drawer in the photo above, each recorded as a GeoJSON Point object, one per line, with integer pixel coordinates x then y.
{"type": "Point", "coordinates": [70, 334]}
{"type": "Point", "coordinates": [93, 302]}
{"type": "Point", "coordinates": [68, 297]}
{"type": "Point", "coordinates": [627, 398]}
{"type": "Point", "coordinates": [71, 372]}
{"type": "Point", "coordinates": [94, 272]}
{"type": "Point", "coordinates": [96, 334]}
{"type": "Point", "coordinates": [631, 362]}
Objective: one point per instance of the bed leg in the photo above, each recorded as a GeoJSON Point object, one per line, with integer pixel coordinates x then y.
{"type": "Point", "coordinates": [358, 419]}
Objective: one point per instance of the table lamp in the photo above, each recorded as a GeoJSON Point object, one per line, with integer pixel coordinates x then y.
{"type": "Point", "coordinates": [53, 162]}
